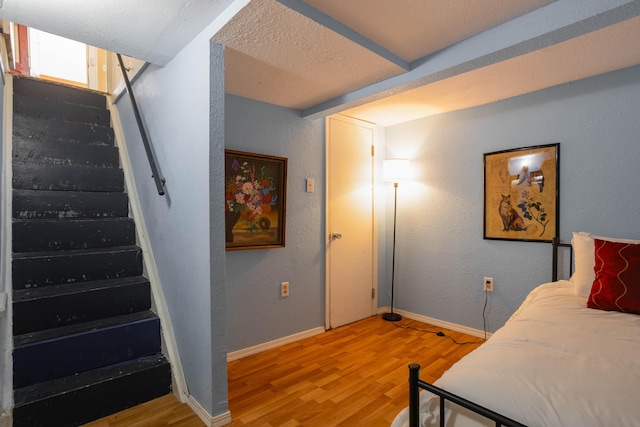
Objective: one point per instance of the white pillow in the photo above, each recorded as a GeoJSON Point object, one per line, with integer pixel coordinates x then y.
{"type": "Point", "coordinates": [584, 260]}
{"type": "Point", "coordinates": [583, 275]}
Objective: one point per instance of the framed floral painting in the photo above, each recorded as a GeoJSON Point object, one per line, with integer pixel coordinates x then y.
{"type": "Point", "coordinates": [255, 200]}
{"type": "Point", "coordinates": [521, 191]}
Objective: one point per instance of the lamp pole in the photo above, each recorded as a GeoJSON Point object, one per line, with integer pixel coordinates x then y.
{"type": "Point", "coordinates": [391, 316]}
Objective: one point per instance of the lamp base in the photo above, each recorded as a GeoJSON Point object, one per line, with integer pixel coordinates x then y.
{"type": "Point", "coordinates": [391, 317]}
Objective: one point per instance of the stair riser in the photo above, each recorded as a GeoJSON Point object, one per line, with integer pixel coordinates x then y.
{"type": "Point", "coordinates": [75, 267]}
{"type": "Point", "coordinates": [30, 176]}
{"type": "Point", "coordinates": [53, 131]}
{"type": "Point", "coordinates": [83, 306]}
{"type": "Point", "coordinates": [66, 154]}
{"type": "Point", "coordinates": [43, 108]}
{"type": "Point", "coordinates": [28, 204]}
{"type": "Point", "coordinates": [99, 400]}
{"type": "Point", "coordinates": [33, 236]}
{"type": "Point", "coordinates": [57, 92]}
{"type": "Point", "coordinates": [70, 355]}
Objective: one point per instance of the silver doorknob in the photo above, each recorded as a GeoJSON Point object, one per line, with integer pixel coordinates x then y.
{"type": "Point", "coordinates": [336, 236]}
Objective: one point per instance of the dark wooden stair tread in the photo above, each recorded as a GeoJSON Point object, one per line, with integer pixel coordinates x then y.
{"type": "Point", "coordinates": [33, 235]}
{"type": "Point", "coordinates": [34, 176]}
{"type": "Point", "coordinates": [46, 389]}
{"type": "Point", "coordinates": [25, 85]}
{"type": "Point", "coordinates": [54, 254]}
{"type": "Point", "coordinates": [50, 334]}
{"type": "Point", "coordinates": [47, 307]}
{"type": "Point", "coordinates": [38, 107]}
{"type": "Point", "coordinates": [45, 204]}
{"type": "Point", "coordinates": [24, 295]}
{"type": "Point", "coordinates": [52, 131]}
{"type": "Point", "coordinates": [65, 153]}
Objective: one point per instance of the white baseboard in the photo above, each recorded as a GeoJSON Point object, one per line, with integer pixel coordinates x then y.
{"type": "Point", "coordinates": [210, 421]}
{"type": "Point", "coordinates": [239, 354]}
{"type": "Point", "coordinates": [6, 419]}
{"type": "Point", "coordinates": [436, 322]}
{"type": "Point", "coordinates": [221, 420]}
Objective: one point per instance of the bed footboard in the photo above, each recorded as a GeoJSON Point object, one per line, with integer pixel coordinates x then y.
{"type": "Point", "coordinates": [415, 384]}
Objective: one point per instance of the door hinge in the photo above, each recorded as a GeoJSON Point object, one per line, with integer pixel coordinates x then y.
{"type": "Point", "coordinates": [373, 293]}
{"type": "Point", "coordinates": [373, 151]}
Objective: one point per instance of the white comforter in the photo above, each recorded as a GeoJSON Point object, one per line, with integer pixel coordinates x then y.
{"type": "Point", "coordinates": [555, 363]}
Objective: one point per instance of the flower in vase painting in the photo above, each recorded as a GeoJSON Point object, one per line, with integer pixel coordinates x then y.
{"type": "Point", "coordinates": [249, 191]}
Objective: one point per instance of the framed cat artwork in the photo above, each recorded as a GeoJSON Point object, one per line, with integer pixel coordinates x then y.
{"type": "Point", "coordinates": [521, 194]}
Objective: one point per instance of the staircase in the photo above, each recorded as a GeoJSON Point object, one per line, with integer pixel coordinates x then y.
{"type": "Point", "coordinates": [86, 343]}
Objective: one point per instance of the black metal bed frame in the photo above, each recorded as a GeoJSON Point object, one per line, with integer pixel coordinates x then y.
{"type": "Point", "coordinates": [416, 384]}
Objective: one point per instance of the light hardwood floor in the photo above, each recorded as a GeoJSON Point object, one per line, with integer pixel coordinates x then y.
{"type": "Point", "coordinates": [355, 375]}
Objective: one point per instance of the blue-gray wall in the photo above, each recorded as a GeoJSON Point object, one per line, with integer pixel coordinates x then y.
{"type": "Point", "coordinates": [441, 255]}
{"type": "Point", "coordinates": [182, 105]}
{"type": "Point", "coordinates": [228, 301]}
{"type": "Point", "coordinates": [255, 311]}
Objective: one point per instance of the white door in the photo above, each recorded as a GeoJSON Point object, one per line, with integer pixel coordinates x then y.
{"type": "Point", "coordinates": [56, 58]}
{"type": "Point", "coordinates": [351, 258]}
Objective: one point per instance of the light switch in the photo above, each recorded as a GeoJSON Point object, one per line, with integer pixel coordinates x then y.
{"type": "Point", "coordinates": [310, 185]}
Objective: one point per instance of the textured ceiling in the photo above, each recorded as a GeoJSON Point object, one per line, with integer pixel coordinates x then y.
{"type": "Point", "coordinates": [325, 48]}
{"type": "Point", "coordinates": [601, 51]}
{"type": "Point", "coordinates": [152, 31]}
{"type": "Point", "coordinates": [413, 29]}
{"type": "Point", "coordinates": [379, 60]}
{"type": "Point", "coordinates": [276, 55]}
{"type": "Point", "coordinates": [388, 62]}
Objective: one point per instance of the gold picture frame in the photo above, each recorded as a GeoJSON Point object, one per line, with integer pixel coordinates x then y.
{"type": "Point", "coordinates": [521, 194]}
{"type": "Point", "coordinates": [255, 200]}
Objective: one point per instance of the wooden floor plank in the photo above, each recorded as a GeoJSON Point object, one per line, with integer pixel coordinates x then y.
{"type": "Point", "coordinates": [351, 376]}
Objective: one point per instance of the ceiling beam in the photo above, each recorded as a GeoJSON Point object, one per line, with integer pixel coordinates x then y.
{"type": "Point", "coordinates": [327, 21]}
{"type": "Point", "coordinates": [552, 24]}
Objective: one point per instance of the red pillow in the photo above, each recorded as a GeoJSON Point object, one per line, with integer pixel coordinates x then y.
{"type": "Point", "coordinates": [617, 284]}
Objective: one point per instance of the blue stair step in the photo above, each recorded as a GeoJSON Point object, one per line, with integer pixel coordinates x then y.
{"type": "Point", "coordinates": [34, 106]}
{"type": "Point", "coordinates": [49, 307]}
{"type": "Point", "coordinates": [29, 204]}
{"type": "Point", "coordinates": [64, 153]}
{"type": "Point", "coordinates": [68, 350]}
{"type": "Point", "coordinates": [54, 130]}
{"type": "Point", "coordinates": [78, 399]}
{"type": "Point", "coordinates": [32, 176]}
{"type": "Point", "coordinates": [34, 235]}
{"type": "Point", "coordinates": [34, 269]}
{"type": "Point", "coordinates": [57, 92]}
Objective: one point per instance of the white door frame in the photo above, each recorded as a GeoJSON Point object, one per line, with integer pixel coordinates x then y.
{"type": "Point", "coordinates": [374, 300]}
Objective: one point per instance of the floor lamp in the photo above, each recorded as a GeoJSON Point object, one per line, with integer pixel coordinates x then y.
{"type": "Point", "coordinates": [394, 170]}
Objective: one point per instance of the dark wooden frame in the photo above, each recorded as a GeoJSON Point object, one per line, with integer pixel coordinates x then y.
{"type": "Point", "coordinates": [416, 384]}
{"type": "Point", "coordinates": [522, 193]}
{"type": "Point", "coordinates": [255, 200]}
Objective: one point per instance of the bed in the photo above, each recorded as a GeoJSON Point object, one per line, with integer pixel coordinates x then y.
{"type": "Point", "coordinates": [569, 356]}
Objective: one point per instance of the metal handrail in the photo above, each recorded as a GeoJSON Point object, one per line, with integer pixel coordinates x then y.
{"type": "Point", "coordinates": [160, 182]}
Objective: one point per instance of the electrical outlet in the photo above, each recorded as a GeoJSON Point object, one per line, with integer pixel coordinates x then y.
{"type": "Point", "coordinates": [488, 284]}
{"type": "Point", "coordinates": [284, 289]}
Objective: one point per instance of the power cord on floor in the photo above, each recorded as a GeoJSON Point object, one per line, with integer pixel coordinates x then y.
{"type": "Point", "coordinates": [484, 314]}
{"type": "Point", "coordinates": [438, 333]}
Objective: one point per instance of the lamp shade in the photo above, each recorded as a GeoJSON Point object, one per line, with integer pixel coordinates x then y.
{"type": "Point", "coordinates": [395, 170]}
